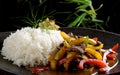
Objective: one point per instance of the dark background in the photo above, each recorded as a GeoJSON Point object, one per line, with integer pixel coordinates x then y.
{"type": "Point", "coordinates": [11, 8]}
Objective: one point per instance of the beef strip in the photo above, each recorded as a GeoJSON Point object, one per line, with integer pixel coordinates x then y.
{"type": "Point", "coordinates": [77, 49]}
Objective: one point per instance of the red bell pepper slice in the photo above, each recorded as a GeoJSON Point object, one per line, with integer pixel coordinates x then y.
{"type": "Point", "coordinates": [37, 70]}
{"type": "Point", "coordinates": [96, 62]}
{"type": "Point", "coordinates": [115, 47]}
{"type": "Point", "coordinates": [95, 38]}
{"type": "Point", "coordinates": [111, 56]}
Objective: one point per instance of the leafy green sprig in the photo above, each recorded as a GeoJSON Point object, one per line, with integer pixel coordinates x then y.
{"type": "Point", "coordinates": [85, 14]}
{"type": "Point", "coordinates": [35, 15]}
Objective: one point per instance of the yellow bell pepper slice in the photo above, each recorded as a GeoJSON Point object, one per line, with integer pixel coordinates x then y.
{"type": "Point", "coordinates": [53, 64]}
{"type": "Point", "coordinates": [66, 36]}
{"type": "Point", "coordinates": [95, 47]}
{"type": "Point", "coordinates": [92, 42]}
{"type": "Point", "coordinates": [81, 40]}
{"type": "Point", "coordinates": [60, 53]}
{"type": "Point", "coordinates": [70, 56]}
{"type": "Point", "coordinates": [94, 53]}
{"type": "Point", "coordinates": [76, 41]}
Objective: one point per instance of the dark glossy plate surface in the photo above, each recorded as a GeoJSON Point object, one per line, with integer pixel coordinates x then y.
{"type": "Point", "coordinates": [108, 38]}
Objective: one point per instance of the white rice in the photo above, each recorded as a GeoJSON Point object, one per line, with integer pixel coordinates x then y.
{"type": "Point", "coordinates": [30, 46]}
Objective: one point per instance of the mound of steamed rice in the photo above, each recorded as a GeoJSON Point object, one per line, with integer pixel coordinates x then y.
{"type": "Point", "coordinates": [30, 46]}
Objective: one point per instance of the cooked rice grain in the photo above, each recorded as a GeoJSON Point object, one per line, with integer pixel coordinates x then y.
{"type": "Point", "coordinates": [30, 46]}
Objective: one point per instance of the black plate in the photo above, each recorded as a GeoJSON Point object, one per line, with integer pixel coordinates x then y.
{"type": "Point", "coordinates": [108, 38]}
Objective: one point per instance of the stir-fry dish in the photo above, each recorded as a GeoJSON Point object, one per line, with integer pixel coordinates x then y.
{"type": "Point", "coordinates": [48, 48]}
{"type": "Point", "coordinates": [80, 53]}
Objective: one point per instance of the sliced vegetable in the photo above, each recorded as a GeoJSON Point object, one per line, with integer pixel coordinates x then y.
{"type": "Point", "coordinates": [77, 41]}
{"type": "Point", "coordinates": [60, 53]}
{"type": "Point", "coordinates": [94, 53]}
{"type": "Point", "coordinates": [92, 42]}
{"type": "Point", "coordinates": [95, 39]}
{"type": "Point", "coordinates": [82, 50]}
{"type": "Point", "coordinates": [53, 64]}
{"type": "Point", "coordinates": [111, 56]}
{"type": "Point", "coordinates": [95, 62]}
{"type": "Point", "coordinates": [84, 57]}
{"type": "Point", "coordinates": [36, 70]}
{"type": "Point", "coordinates": [115, 47]}
{"type": "Point", "coordinates": [80, 40]}
{"type": "Point", "coordinates": [66, 36]}
{"type": "Point", "coordinates": [70, 57]}
{"type": "Point", "coordinates": [62, 61]}
{"type": "Point", "coordinates": [95, 47]}
{"type": "Point", "coordinates": [71, 54]}
{"type": "Point", "coordinates": [73, 41]}
{"type": "Point", "coordinates": [66, 44]}
{"type": "Point", "coordinates": [86, 40]}
{"type": "Point", "coordinates": [106, 52]}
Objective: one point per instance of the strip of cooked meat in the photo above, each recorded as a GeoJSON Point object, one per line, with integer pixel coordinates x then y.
{"type": "Point", "coordinates": [77, 49]}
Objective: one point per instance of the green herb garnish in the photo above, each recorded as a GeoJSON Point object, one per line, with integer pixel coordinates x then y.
{"type": "Point", "coordinates": [48, 24]}
{"type": "Point", "coordinates": [86, 40]}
